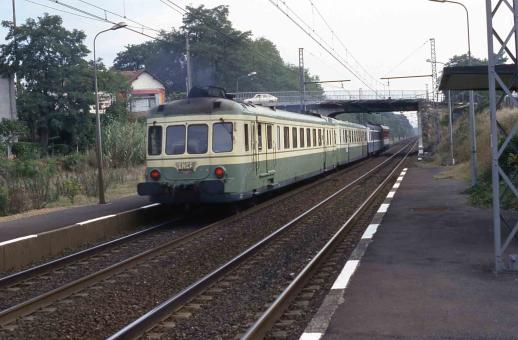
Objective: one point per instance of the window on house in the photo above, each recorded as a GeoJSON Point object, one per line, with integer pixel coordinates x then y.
{"type": "Point", "coordinates": [175, 140]}
{"type": "Point", "coordinates": [154, 142]}
{"type": "Point", "coordinates": [222, 137]}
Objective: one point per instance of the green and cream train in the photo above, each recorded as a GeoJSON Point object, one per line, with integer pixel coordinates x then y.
{"type": "Point", "coordinates": [213, 149]}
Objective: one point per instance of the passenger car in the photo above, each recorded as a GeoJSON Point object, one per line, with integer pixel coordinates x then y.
{"type": "Point", "coordinates": [261, 98]}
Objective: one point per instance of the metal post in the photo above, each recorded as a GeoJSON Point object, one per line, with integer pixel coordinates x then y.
{"type": "Point", "coordinates": [188, 60]}
{"type": "Point", "coordinates": [420, 132]}
{"type": "Point", "coordinates": [98, 145]}
{"type": "Point", "coordinates": [452, 159]}
{"type": "Point", "coordinates": [499, 265]}
{"type": "Point", "coordinates": [302, 81]}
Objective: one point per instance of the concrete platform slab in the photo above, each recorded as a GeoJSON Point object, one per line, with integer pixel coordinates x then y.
{"type": "Point", "coordinates": [428, 273]}
{"type": "Point", "coordinates": [46, 222]}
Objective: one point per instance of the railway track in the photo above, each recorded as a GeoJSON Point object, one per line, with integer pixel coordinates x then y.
{"type": "Point", "coordinates": [216, 297]}
{"type": "Point", "coordinates": [15, 319]}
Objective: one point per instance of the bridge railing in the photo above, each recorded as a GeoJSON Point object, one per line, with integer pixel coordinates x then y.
{"type": "Point", "coordinates": [294, 97]}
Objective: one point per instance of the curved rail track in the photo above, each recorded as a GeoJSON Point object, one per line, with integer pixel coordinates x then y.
{"type": "Point", "coordinates": [191, 298]}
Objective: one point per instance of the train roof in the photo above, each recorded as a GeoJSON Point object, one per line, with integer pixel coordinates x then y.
{"type": "Point", "coordinates": [210, 105]}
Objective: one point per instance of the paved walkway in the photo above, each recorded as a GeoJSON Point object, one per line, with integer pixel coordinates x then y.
{"type": "Point", "coordinates": [56, 219]}
{"type": "Point", "coordinates": [428, 272]}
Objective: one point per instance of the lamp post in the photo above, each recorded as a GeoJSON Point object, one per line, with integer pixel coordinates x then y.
{"type": "Point", "coordinates": [472, 121]}
{"type": "Point", "coordinates": [98, 145]}
{"type": "Point", "coordinates": [244, 76]}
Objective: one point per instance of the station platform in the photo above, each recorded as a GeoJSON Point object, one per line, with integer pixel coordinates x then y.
{"type": "Point", "coordinates": [21, 227]}
{"type": "Point", "coordinates": [427, 273]}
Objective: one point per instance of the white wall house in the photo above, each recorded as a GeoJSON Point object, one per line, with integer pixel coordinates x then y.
{"type": "Point", "coordinates": [146, 91]}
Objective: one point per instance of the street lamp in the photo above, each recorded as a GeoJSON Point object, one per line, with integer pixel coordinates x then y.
{"type": "Point", "coordinates": [244, 76]}
{"type": "Point", "coordinates": [472, 122]}
{"type": "Point", "coordinates": [98, 145]}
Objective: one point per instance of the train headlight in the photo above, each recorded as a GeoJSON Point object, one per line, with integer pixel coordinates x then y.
{"type": "Point", "coordinates": [219, 172]}
{"type": "Point", "coordinates": [154, 174]}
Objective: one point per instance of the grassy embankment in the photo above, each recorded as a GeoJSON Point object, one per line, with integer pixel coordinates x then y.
{"type": "Point", "coordinates": [480, 195]}
{"type": "Point", "coordinates": [33, 184]}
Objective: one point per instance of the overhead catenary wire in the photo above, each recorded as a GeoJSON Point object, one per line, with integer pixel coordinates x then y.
{"type": "Point", "coordinates": [120, 16]}
{"type": "Point", "coordinates": [64, 11]}
{"type": "Point", "coordinates": [410, 55]}
{"type": "Point", "coordinates": [334, 35]}
{"type": "Point", "coordinates": [321, 44]}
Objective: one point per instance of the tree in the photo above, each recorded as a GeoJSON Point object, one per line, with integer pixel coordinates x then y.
{"type": "Point", "coordinates": [220, 54]}
{"type": "Point", "coordinates": [55, 90]}
{"type": "Point", "coordinates": [10, 131]}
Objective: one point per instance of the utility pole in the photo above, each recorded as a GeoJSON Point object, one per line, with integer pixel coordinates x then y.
{"type": "Point", "coordinates": [302, 81]}
{"type": "Point", "coordinates": [433, 61]}
{"type": "Point", "coordinates": [188, 81]}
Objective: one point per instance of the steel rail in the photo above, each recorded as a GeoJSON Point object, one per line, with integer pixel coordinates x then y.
{"type": "Point", "coordinates": [155, 315]}
{"type": "Point", "coordinates": [260, 328]}
{"type": "Point", "coordinates": [59, 262]}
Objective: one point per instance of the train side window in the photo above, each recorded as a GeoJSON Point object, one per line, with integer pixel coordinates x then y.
{"type": "Point", "coordinates": [247, 140]}
{"type": "Point", "coordinates": [154, 140]}
{"type": "Point", "coordinates": [294, 135]}
{"type": "Point", "coordinates": [286, 137]}
{"type": "Point", "coordinates": [222, 137]}
{"type": "Point", "coordinates": [319, 137]}
{"type": "Point", "coordinates": [314, 137]}
{"type": "Point", "coordinates": [308, 136]}
{"type": "Point", "coordinates": [278, 137]}
{"type": "Point", "coordinates": [269, 138]}
{"type": "Point", "coordinates": [301, 133]}
{"type": "Point", "coordinates": [175, 140]}
{"type": "Point", "coordinates": [259, 137]}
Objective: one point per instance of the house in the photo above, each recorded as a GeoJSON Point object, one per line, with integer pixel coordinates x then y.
{"type": "Point", "coordinates": [146, 91]}
{"type": "Point", "coordinates": [7, 98]}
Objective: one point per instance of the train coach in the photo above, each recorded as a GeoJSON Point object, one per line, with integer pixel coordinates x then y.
{"type": "Point", "coordinates": [210, 149]}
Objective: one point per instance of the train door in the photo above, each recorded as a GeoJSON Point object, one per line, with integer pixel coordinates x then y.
{"type": "Point", "coordinates": [269, 147]}
{"type": "Point", "coordinates": [322, 141]}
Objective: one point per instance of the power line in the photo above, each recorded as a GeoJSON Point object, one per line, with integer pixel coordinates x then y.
{"type": "Point", "coordinates": [95, 16]}
{"type": "Point", "coordinates": [408, 56]}
{"type": "Point", "coordinates": [340, 40]}
{"type": "Point", "coordinates": [321, 44]}
{"type": "Point", "coordinates": [120, 16]}
{"type": "Point", "coordinates": [63, 11]}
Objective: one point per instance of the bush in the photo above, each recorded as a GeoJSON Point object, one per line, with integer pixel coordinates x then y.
{"type": "Point", "coordinates": [124, 143]}
{"type": "Point", "coordinates": [4, 200]}
{"type": "Point", "coordinates": [26, 150]}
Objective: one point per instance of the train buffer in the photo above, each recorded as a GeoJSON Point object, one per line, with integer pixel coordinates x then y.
{"type": "Point", "coordinates": [427, 272]}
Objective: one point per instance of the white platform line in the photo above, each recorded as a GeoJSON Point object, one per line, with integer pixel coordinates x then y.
{"type": "Point", "coordinates": [96, 219]}
{"type": "Point", "coordinates": [345, 275]}
{"type": "Point", "coordinates": [311, 336]}
{"type": "Point", "coordinates": [400, 178]}
{"type": "Point", "coordinates": [383, 208]}
{"type": "Point", "coordinates": [391, 194]}
{"type": "Point", "coordinates": [149, 206]}
{"type": "Point", "coordinates": [370, 231]}
{"type": "Point", "coordinates": [17, 239]}
{"type": "Point", "coordinates": [396, 185]}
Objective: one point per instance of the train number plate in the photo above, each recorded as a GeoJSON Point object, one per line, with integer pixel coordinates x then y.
{"type": "Point", "coordinates": [186, 166]}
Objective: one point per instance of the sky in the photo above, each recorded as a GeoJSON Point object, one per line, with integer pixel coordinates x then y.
{"type": "Point", "coordinates": [387, 37]}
